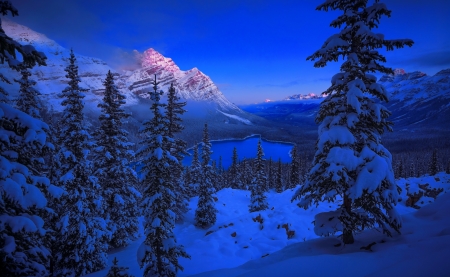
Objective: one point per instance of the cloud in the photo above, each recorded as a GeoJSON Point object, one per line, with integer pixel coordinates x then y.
{"type": "Point", "coordinates": [121, 59]}
{"type": "Point", "coordinates": [285, 85]}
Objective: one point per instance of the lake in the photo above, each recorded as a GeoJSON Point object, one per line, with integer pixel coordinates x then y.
{"type": "Point", "coordinates": [246, 148]}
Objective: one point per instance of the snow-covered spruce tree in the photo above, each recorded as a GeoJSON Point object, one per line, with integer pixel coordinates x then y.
{"type": "Point", "coordinates": [173, 112]}
{"type": "Point", "coordinates": [294, 174]}
{"type": "Point", "coordinates": [350, 161]}
{"type": "Point", "coordinates": [234, 178]}
{"type": "Point", "coordinates": [28, 100]}
{"type": "Point", "coordinates": [245, 173]}
{"type": "Point", "coordinates": [194, 173]}
{"type": "Point", "coordinates": [118, 271]}
{"type": "Point", "coordinates": [39, 159]}
{"type": "Point", "coordinates": [258, 200]}
{"type": "Point", "coordinates": [434, 167]}
{"type": "Point", "coordinates": [112, 155]}
{"type": "Point", "coordinates": [278, 178]}
{"type": "Point", "coordinates": [205, 214]}
{"type": "Point", "coordinates": [22, 191]}
{"type": "Point", "coordinates": [82, 227]}
{"type": "Point", "coordinates": [159, 252]}
{"type": "Point", "coordinates": [220, 178]}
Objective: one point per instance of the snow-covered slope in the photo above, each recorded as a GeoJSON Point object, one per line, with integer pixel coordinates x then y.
{"type": "Point", "coordinates": [191, 84]}
{"type": "Point", "coordinates": [418, 99]}
{"type": "Point", "coordinates": [281, 240]}
{"type": "Point", "coordinates": [51, 79]}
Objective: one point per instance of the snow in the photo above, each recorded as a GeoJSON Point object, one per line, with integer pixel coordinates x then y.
{"type": "Point", "coordinates": [237, 245]}
{"type": "Point", "coordinates": [238, 118]}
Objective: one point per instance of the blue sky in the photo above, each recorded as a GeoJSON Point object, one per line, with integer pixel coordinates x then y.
{"type": "Point", "coordinates": [252, 50]}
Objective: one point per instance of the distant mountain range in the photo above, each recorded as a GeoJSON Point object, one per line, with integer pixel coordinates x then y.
{"type": "Point", "coordinates": [417, 101]}
{"type": "Point", "coordinates": [303, 96]}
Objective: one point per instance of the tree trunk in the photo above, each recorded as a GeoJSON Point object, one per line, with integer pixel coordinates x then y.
{"type": "Point", "coordinates": [347, 234]}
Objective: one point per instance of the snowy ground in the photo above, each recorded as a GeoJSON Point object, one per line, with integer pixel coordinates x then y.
{"type": "Point", "coordinates": [237, 245]}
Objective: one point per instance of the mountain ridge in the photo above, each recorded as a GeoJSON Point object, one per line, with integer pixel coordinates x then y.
{"type": "Point", "coordinates": [190, 85]}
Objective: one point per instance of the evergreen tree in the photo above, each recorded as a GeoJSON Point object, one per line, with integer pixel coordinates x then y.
{"type": "Point", "coordinates": [220, 178]}
{"type": "Point", "coordinates": [434, 167]}
{"type": "Point", "coordinates": [195, 172]}
{"type": "Point", "coordinates": [278, 179]}
{"type": "Point", "coordinates": [117, 271]}
{"type": "Point", "coordinates": [400, 169]}
{"type": "Point", "coordinates": [412, 170]}
{"type": "Point", "coordinates": [159, 252]}
{"type": "Point", "coordinates": [82, 228]}
{"type": "Point", "coordinates": [448, 168]}
{"type": "Point", "coordinates": [294, 177]}
{"type": "Point", "coordinates": [117, 180]}
{"type": "Point", "coordinates": [220, 165]}
{"type": "Point", "coordinates": [350, 161]}
{"type": "Point", "coordinates": [270, 182]}
{"type": "Point", "coordinates": [234, 178]}
{"type": "Point", "coordinates": [205, 214]}
{"type": "Point", "coordinates": [174, 110]}
{"type": "Point", "coordinates": [246, 173]}
{"type": "Point", "coordinates": [28, 101]}
{"type": "Point", "coordinates": [258, 187]}
{"type": "Point", "coordinates": [24, 192]}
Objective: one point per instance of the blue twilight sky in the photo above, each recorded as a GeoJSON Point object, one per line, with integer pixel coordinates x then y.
{"type": "Point", "coordinates": [252, 50]}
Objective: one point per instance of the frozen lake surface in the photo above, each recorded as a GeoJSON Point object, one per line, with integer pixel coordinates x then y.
{"type": "Point", "coordinates": [246, 148]}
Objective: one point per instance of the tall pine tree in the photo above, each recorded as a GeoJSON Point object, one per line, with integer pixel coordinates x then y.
{"type": "Point", "coordinates": [350, 161]}
{"type": "Point", "coordinates": [174, 110]}
{"type": "Point", "coordinates": [82, 227]}
{"type": "Point", "coordinates": [434, 167]}
{"type": "Point", "coordinates": [294, 176]}
{"type": "Point", "coordinates": [234, 178]}
{"type": "Point", "coordinates": [205, 214]}
{"type": "Point", "coordinates": [194, 173]}
{"type": "Point", "coordinates": [23, 190]}
{"type": "Point", "coordinates": [112, 156]}
{"type": "Point", "coordinates": [159, 252]}
{"type": "Point", "coordinates": [279, 178]}
{"type": "Point", "coordinates": [258, 200]}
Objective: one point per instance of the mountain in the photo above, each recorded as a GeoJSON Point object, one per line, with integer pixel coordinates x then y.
{"type": "Point", "coordinates": [51, 79]}
{"type": "Point", "coordinates": [205, 102]}
{"type": "Point", "coordinates": [191, 84]}
{"type": "Point", "coordinates": [419, 100]}
{"type": "Point", "coordinates": [420, 104]}
{"type": "Point", "coordinates": [303, 96]}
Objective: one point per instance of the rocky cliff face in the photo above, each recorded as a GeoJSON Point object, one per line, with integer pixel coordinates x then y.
{"type": "Point", "coordinates": [191, 84]}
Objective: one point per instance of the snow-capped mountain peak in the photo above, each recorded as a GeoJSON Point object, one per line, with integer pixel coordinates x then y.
{"type": "Point", "coordinates": [191, 84]}
{"type": "Point", "coordinates": [152, 58]}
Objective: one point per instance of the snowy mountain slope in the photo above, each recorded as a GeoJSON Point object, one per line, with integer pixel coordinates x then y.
{"type": "Point", "coordinates": [206, 103]}
{"type": "Point", "coordinates": [417, 101]}
{"type": "Point", "coordinates": [239, 244]}
{"type": "Point", "coordinates": [51, 79]}
{"type": "Point", "coordinates": [191, 84]}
